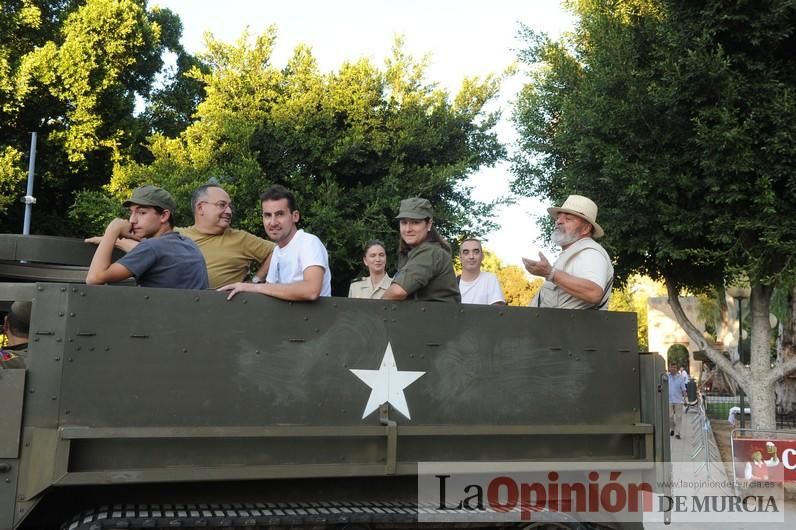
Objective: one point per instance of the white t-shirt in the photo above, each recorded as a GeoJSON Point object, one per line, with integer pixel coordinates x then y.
{"type": "Point", "coordinates": [591, 265]}
{"type": "Point", "coordinates": [485, 289]}
{"type": "Point", "coordinates": [304, 250]}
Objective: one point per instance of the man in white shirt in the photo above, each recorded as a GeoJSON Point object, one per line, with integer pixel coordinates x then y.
{"type": "Point", "coordinates": [299, 269]}
{"type": "Point", "coordinates": [475, 285]}
{"type": "Point", "coordinates": [582, 276]}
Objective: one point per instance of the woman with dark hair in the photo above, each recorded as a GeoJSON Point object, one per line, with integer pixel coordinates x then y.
{"type": "Point", "coordinates": [378, 281]}
{"type": "Point", "coordinates": [425, 271]}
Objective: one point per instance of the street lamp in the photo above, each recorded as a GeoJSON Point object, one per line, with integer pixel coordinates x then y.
{"type": "Point", "coordinates": [740, 294]}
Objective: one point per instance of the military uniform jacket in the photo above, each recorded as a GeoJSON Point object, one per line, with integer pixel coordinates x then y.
{"type": "Point", "coordinates": [363, 288]}
{"type": "Point", "coordinates": [426, 274]}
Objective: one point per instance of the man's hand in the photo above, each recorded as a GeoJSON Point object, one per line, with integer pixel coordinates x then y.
{"type": "Point", "coordinates": [239, 287]}
{"type": "Point", "coordinates": [120, 228]}
{"type": "Point", "coordinates": [102, 270]}
{"type": "Point", "coordinates": [541, 267]}
{"type": "Point", "coordinates": [125, 244]}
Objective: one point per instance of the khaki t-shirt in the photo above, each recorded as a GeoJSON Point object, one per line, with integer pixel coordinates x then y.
{"type": "Point", "coordinates": [229, 255]}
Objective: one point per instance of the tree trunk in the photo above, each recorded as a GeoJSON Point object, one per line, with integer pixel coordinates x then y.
{"type": "Point", "coordinates": [738, 373]}
{"type": "Point", "coordinates": [760, 387]}
{"type": "Point", "coordinates": [759, 379]}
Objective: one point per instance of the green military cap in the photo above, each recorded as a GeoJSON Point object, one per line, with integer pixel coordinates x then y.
{"type": "Point", "coordinates": [152, 196]}
{"type": "Point", "coordinates": [415, 208]}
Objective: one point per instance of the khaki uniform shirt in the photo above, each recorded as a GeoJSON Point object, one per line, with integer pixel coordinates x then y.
{"type": "Point", "coordinates": [426, 274]}
{"type": "Point", "coordinates": [363, 288]}
{"type": "Point", "coordinates": [230, 254]}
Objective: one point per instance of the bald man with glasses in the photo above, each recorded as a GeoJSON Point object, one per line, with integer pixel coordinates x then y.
{"type": "Point", "coordinates": [228, 252]}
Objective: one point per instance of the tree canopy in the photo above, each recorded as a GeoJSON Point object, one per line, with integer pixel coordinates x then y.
{"type": "Point", "coordinates": [73, 71]}
{"type": "Point", "coordinates": [350, 144]}
{"type": "Point", "coordinates": [677, 118]}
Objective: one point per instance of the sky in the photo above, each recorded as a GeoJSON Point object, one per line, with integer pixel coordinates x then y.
{"type": "Point", "coordinates": [464, 38]}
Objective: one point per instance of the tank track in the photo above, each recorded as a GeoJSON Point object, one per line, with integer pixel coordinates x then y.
{"type": "Point", "coordinates": [208, 516]}
{"type": "Point", "coordinates": [294, 515]}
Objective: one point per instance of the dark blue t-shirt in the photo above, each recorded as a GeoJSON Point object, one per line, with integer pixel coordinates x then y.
{"type": "Point", "coordinates": [170, 260]}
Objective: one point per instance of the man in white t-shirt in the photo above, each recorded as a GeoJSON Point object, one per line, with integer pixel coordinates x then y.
{"type": "Point", "coordinates": [477, 286]}
{"type": "Point", "coordinates": [299, 269]}
{"type": "Point", "coordinates": [582, 276]}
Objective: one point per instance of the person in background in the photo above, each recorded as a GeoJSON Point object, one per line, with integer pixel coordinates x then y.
{"type": "Point", "coordinates": [16, 326]}
{"type": "Point", "coordinates": [157, 256]}
{"type": "Point", "coordinates": [755, 468]}
{"type": "Point", "coordinates": [477, 286]}
{"type": "Point", "coordinates": [425, 272]}
{"type": "Point", "coordinates": [676, 399]}
{"type": "Point", "coordinates": [378, 281]}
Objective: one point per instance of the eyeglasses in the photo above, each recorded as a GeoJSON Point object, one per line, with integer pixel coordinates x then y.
{"type": "Point", "coordinates": [221, 205]}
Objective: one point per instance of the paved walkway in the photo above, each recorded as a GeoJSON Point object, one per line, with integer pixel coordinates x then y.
{"type": "Point", "coordinates": [693, 476]}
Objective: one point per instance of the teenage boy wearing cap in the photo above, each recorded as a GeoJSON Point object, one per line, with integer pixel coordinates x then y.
{"type": "Point", "coordinates": [15, 329]}
{"type": "Point", "coordinates": [582, 276]}
{"type": "Point", "coordinates": [425, 271]}
{"type": "Point", "coordinates": [163, 258]}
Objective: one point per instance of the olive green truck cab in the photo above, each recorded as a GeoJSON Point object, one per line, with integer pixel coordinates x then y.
{"type": "Point", "coordinates": [144, 407]}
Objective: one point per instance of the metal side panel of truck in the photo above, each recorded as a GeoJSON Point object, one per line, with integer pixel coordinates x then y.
{"type": "Point", "coordinates": [141, 401]}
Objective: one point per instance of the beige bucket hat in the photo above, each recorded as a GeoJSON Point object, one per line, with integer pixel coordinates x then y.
{"type": "Point", "coordinates": [584, 208]}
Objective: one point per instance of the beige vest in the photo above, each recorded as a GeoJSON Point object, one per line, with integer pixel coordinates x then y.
{"type": "Point", "coordinates": [550, 295]}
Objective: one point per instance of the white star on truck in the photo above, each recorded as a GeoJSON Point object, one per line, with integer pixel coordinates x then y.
{"type": "Point", "coordinates": [387, 384]}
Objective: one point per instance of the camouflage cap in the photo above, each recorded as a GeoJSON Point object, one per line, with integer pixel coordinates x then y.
{"type": "Point", "coordinates": [152, 196]}
{"type": "Point", "coordinates": [415, 208]}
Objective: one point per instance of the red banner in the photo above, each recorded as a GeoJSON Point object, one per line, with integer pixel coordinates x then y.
{"type": "Point", "coordinates": [761, 458]}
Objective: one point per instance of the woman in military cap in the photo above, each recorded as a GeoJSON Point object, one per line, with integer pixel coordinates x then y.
{"type": "Point", "coordinates": [425, 271]}
{"type": "Point", "coordinates": [378, 281]}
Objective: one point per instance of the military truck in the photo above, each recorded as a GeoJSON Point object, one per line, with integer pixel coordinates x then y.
{"type": "Point", "coordinates": [151, 408]}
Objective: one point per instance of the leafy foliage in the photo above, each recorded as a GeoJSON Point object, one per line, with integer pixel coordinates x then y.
{"type": "Point", "coordinates": [350, 144]}
{"type": "Point", "coordinates": [518, 290]}
{"type": "Point", "coordinates": [72, 71]}
{"type": "Point", "coordinates": [677, 117]}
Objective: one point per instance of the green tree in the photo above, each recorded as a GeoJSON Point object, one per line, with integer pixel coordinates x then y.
{"type": "Point", "coordinates": [677, 353]}
{"type": "Point", "coordinates": [633, 296]}
{"type": "Point", "coordinates": [72, 71]}
{"type": "Point", "coordinates": [350, 144]}
{"type": "Point", "coordinates": [517, 288]}
{"type": "Point", "coordinates": [677, 117]}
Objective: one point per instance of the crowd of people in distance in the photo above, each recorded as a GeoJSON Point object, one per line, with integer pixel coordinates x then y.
{"type": "Point", "coordinates": [294, 265]}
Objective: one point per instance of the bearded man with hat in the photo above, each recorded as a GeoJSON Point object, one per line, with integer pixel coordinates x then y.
{"type": "Point", "coordinates": [162, 258]}
{"type": "Point", "coordinates": [582, 276]}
